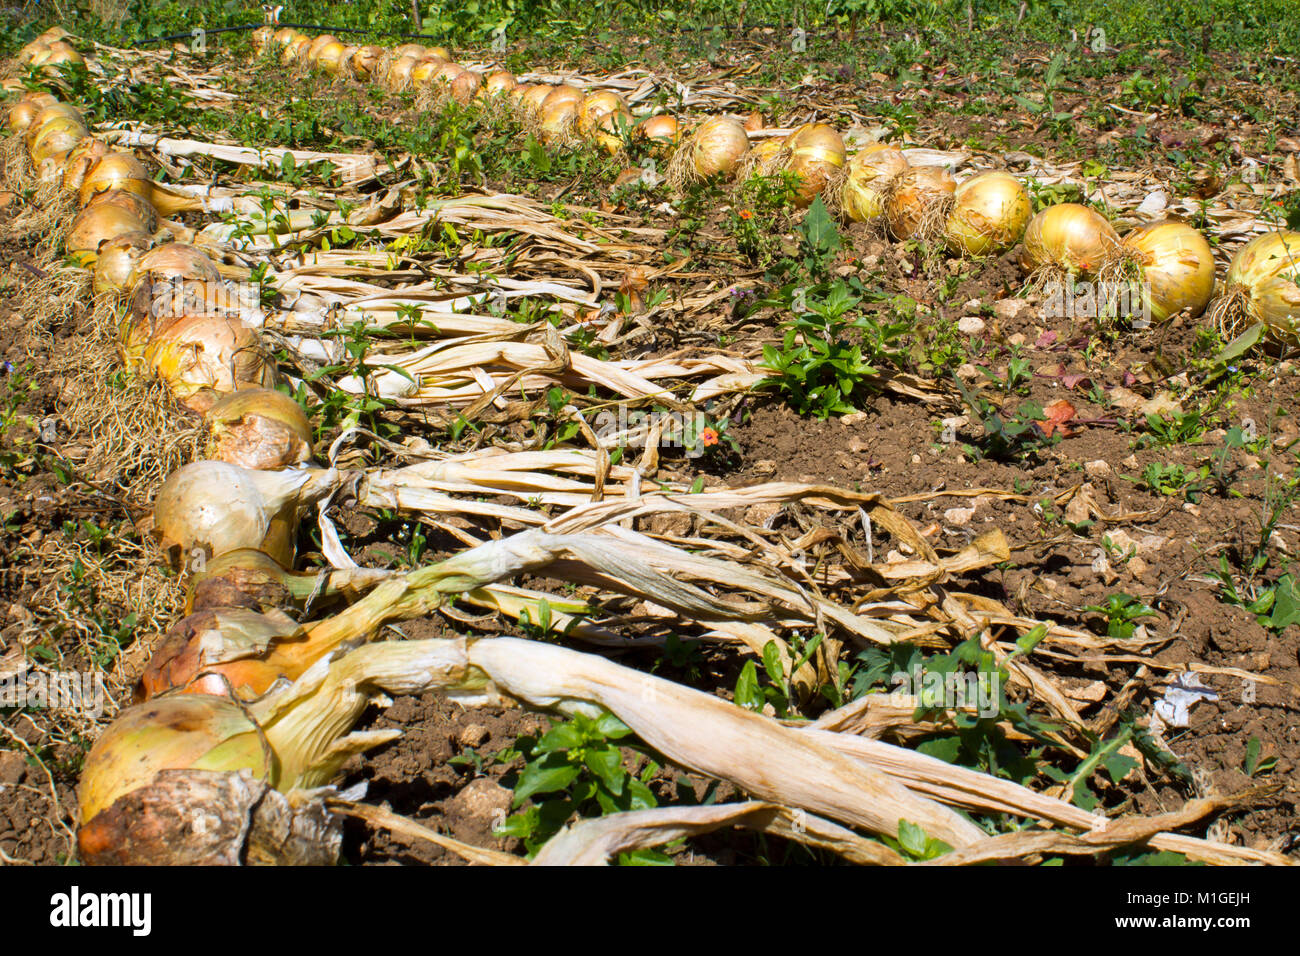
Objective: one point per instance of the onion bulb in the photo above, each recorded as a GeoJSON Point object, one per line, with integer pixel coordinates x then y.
{"type": "Point", "coordinates": [332, 56]}
{"type": "Point", "coordinates": [318, 44]}
{"type": "Point", "coordinates": [286, 35]}
{"type": "Point", "coordinates": [715, 148]}
{"type": "Point", "coordinates": [535, 97]}
{"type": "Point", "coordinates": [424, 70]}
{"type": "Point", "coordinates": [660, 129]}
{"type": "Point", "coordinates": [258, 428]}
{"type": "Point", "coordinates": [58, 54]}
{"type": "Point", "coordinates": [1067, 238]}
{"type": "Point", "coordinates": [210, 508]}
{"type": "Point", "coordinates": [465, 86]}
{"type": "Point", "coordinates": [1263, 285]}
{"type": "Point", "coordinates": [175, 261]}
{"type": "Point", "coordinates": [1170, 262]}
{"type": "Point", "coordinates": [116, 262]}
{"type": "Point", "coordinates": [81, 159]}
{"type": "Point", "coordinates": [97, 225]}
{"type": "Point", "coordinates": [251, 579]}
{"type": "Point", "coordinates": [398, 77]}
{"type": "Point", "coordinates": [197, 353]}
{"type": "Point", "coordinates": [416, 50]}
{"type": "Point", "coordinates": [870, 170]}
{"type": "Point", "coordinates": [142, 209]}
{"type": "Point", "coordinates": [115, 171]}
{"type": "Point", "coordinates": [558, 117]}
{"type": "Point", "coordinates": [296, 50]}
{"type": "Point", "coordinates": [364, 60]}
{"type": "Point", "coordinates": [26, 109]}
{"type": "Point", "coordinates": [498, 82]}
{"type": "Point", "coordinates": [917, 202]}
{"type": "Point", "coordinates": [989, 214]}
{"type": "Point", "coordinates": [816, 156]}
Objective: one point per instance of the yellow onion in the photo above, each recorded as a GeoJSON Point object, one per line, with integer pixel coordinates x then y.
{"type": "Point", "coordinates": [398, 77]}
{"type": "Point", "coordinates": [498, 82]}
{"type": "Point", "coordinates": [142, 209]}
{"type": "Point", "coordinates": [263, 37]}
{"type": "Point", "coordinates": [175, 261]}
{"type": "Point", "coordinates": [439, 51]}
{"type": "Point", "coordinates": [115, 171]}
{"type": "Point", "coordinates": [286, 36]}
{"type": "Point", "coordinates": [989, 214]}
{"type": "Point", "coordinates": [81, 159]}
{"type": "Point", "coordinates": [55, 33]}
{"type": "Point", "coordinates": [559, 113]}
{"type": "Point", "coordinates": [416, 50]}
{"type": "Point", "coordinates": [26, 109]}
{"type": "Point", "coordinates": [38, 47]}
{"type": "Point", "coordinates": [519, 91]}
{"type": "Point", "coordinates": [535, 97]}
{"type": "Point", "coordinates": [193, 353]}
{"type": "Point", "coordinates": [1067, 238]}
{"type": "Point", "coordinates": [917, 200]}
{"type": "Point", "coordinates": [1263, 285]}
{"type": "Point", "coordinates": [816, 156]}
{"type": "Point", "coordinates": [465, 86]}
{"type": "Point", "coordinates": [423, 70]}
{"type": "Point", "coordinates": [296, 51]}
{"type": "Point", "coordinates": [258, 428]}
{"type": "Point", "coordinates": [98, 224]}
{"type": "Point", "coordinates": [54, 116]}
{"type": "Point", "coordinates": [660, 128]}
{"type": "Point", "coordinates": [251, 579]}
{"type": "Point", "coordinates": [56, 140]}
{"type": "Point", "coordinates": [563, 94]}
{"type": "Point", "coordinates": [765, 159]}
{"type": "Point", "coordinates": [364, 60]}
{"type": "Point", "coordinates": [116, 262]}
{"type": "Point", "coordinates": [602, 115]}
{"type": "Point", "coordinates": [1170, 262]}
{"type": "Point", "coordinates": [319, 44]}
{"type": "Point", "coordinates": [870, 170]}
{"type": "Point", "coordinates": [332, 57]}
{"type": "Point", "coordinates": [211, 508]}
{"type": "Point", "coordinates": [715, 148]}
{"type": "Point", "coordinates": [59, 53]}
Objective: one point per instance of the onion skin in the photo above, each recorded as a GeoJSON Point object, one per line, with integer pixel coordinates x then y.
{"type": "Point", "coordinates": [97, 225]}
{"type": "Point", "coordinates": [816, 157]}
{"type": "Point", "coordinates": [989, 214]}
{"type": "Point", "coordinates": [115, 171]}
{"type": "Point", "coordinates": [1067, 237]}
{"type": "Point", "coordinates": [81, 159]}
{"type": "Point", "coordinates": [364, 60]}
{"type": "Point", "coordinates": [258, 428]}
{"type": "Point", "coordinates": [916, 196]}
{"type": "Point", "coordinates": [466, 86]}
{"type": "Point", "coordinates": [25, 110]}
{"type": "Point", "coordinates": [139, 207]}
{"type": "Point", "coordinates": [535, 97]}
{"type": "Point", "coordinates": [116, 262]}
{"type": "Point", "coordinates": [718, 145]}
{"type": "Point", "coordinates": [870, 169]}
{"type": "Point", "coordinates": [498, 82]}
{"type": "Point", "coordinates": [175, 261]}
{"type": "Point", "coordinates": [1175, 263]}
{"type": "Point", "coordinates": [193, 353]}
{"type": "Point", "coordinates": [1263, 283]}
{"type": "Point", "coordinates": [662, 129]}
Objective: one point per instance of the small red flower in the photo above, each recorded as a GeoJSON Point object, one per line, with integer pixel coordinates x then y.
{"type": "Point", "coordinates": [709, 436]}
{"type": "Point", "coordinates": [746, 214]}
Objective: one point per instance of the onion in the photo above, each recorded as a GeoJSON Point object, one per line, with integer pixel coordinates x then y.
{"type": "Point", "coordinates": [58, 54]}
{"type": "Point", "coordinates": [498, 82]}
{"type": "Point", "coordinates": [364, 60]}
{"type": "Point", "coordinates": [1066, 238]}
{"type": "Point", "coordinates": [38, 47]}
{"type": "Point", "coordinates": [26, 109]}
{"type": "Point", "coordinates": [142, 209]}
{"type": "Point", "coordinates": [602, 116]}
{"type": "Point", "coordinates": [862, 197]}
{"type": "Point", "coordinates": [535, 97]}
{"type": "Point", "coordinates": [466, 86]}
{"type": "Point", "coordinates": [81, 159]}
{"type": "Point", "coordinates": [989, 214]}
{"type": "Point", "coordinates": [1170, 262]}
{"type": "Point", "coordinates": [258, 428]}
{"type": "Point", "coordinates": [423, 71]}
{"type": "Point", "coordinates": [116, 262]}
{"type": "Point", "coordinates": [194, 353]}
{"type": "Point", "coordinates": [1263, 285]}
{"type": "Point", "coordinates": [317, 45]}
{"type": "Point", "coordinates": [765, 159]}
{"type": "Point", "coordinates": [715, 148]}
{"type": "Point", "coordinates": [219, 651]}
{"type": "Point", "coordinates": [176, 261]}
{"type": "Point", "coordinates": [115, 171]}
{"type": "Point", "coordinates": [416, 50]}
{"type": "Point", "coordinates": [916, 205]}
{"type": "Point", "coordinates": [286, 35]}
{"type": "Point", "coordinates": [398, 77]}
{"type": "Point", "coordinates": [296, 50]}
{"type": "Point", "coordinates": [660, 128]}
{"type": "Point", "coordinates": [263, 37]}
{"type": "Point", "coordinates": [211, 508]}
{"type": "Point", "coordinates": [558, 119]}
{"type": "Point", "coordinates": [332, 56]}
{"type": "Point", "coordinates": [56, 139]}
{"type": "Point", "coordinates": [98, 224]}
{"type": "Point", "coordinates": [251, 579]}
{"type": "Point", "coordinates": [439, 51]}
{"type": "Point", "coordinates": [816, 156]}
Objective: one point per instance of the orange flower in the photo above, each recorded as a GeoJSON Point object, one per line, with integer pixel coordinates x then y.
{"type": "Point", "coordinates": [709, 436]}
{"type": "Point", "coordinates": [746, 214]}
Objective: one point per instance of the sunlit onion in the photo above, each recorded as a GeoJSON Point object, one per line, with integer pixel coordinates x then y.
{"type": "Point", "coordinates": [81, 159]}
{"type": "Point", "coordinates": [870, 170]}
{"type": "Point", "coordinates": [916, 206]}
{"type": "Point", "coordinates": [535, 97]}
{"type": "Point", "coordinates": [317, 45]}
{"type": "Point", "coordinates": [661, 129]}
{"type": "Point", "coordinates": [1171, 265]}
{"type": "Point", "coordinates": [99, 224]}
{"type": "Point", "coordinates": [1067, 238]}
{"type": "Point", "coordinates": [989, 214]}
{"type": "Point", "coordinates": [116, 261]}
{"type": "Point", "coordinates": [332, 56]}
{"type": "Point", "coordinates": [137, 206]}
{"type": "Point", "coordinates": [715, 148]}
{"type": "Point", "coordinates": [816, 157]}
{"type": "Point", "coordinates": [398, 77]}
{"type": "Point", "coordinates": [466, 86]}
{"type": "Point", "coordinates": [258, 428]}
{"type": "Point", "coordinates": [1263, 285]}
{"type": "Point", "coordinates": [26, 109]}
{"type": "Point", "coordinates": [193, 353]}
{"type": "Point", "coordinates": [175, 261]}
{"type": "Point", "coordinates": [363, 61]}
{"type": "Point", "coordinates": [498, 82]}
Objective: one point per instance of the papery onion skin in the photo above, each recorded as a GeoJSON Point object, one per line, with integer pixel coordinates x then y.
{"type": "Point", "coordinates": [96, 225]}
{"type": "Point", "coordinates": [115, 171]}
{"type": "Point", "coordinates": [1175, 264]}
{"type": "Point", "coordinates": [116, 261]}
{"type": "Point", "coordinates": [1069, 238]}
{"type": "Point", "coordinates": [27, 109]}
{"type": "Point", "coordinates": [258, 428]}
{"type": "Point", "coordinates": [816, 158]}
{"type": "Point", "coordinates": [364, 60]}
{"type": "Point", "coordinates": [916, 198]}
{"type": "Point", "coordinates": [176, 260]}
{"type": "Point", "coordinates": [193, 353]}
{"type": "Point", "coordinates": [81, 159]}
{"type": "Point", "coordinates": [870, 169]}
{"type": "Point", "coordinates": [133, 203]}
{"type": "Point", "coordinates": [466, 86]}
{"type": "Point", "coordinates": [662, 129]}
{"type": "Point", "coordinates": [717, 146]}
{"type": "Point", "coordinates": [535, 97]}
{"type": "Point", "coordinates": [498, 82]}
{"type": "Point", "coordinates": [1264, 276]}
{"type": "Point", "coordinates": [989, 214]}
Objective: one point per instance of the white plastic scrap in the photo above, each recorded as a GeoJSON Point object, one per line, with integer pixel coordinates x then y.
{"type": "Point", "coordinates": [1183, 691]}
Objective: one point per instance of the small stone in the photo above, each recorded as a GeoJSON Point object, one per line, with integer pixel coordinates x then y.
{"type": "Point", "coordinates": [916, 459]}
{"type": "Point", "coordinates": [483, 800]}
{"type": "Point", "coordinates": [1192, 509]}
{"type": "Point", "coordinates": [857, 445]}
{"type": "Point", "coordinates": [970, 325]}
{"type": "Point", "coordinates": [761, 514]}
{"type": "Point", "coordinates": [968, 372]}
{"type": "Point", "coordinates": [474, 735]}
{"type": "Point", "coordinates": [1017, 339]}
{"type": "Point", "coordinates": [854, 418]}
{"type": "Point", "coordinates": [1136, 566]}
{"type": "Point", "coordinates": [1130, 462]}
{"type": "Point", "coordinates": [1099, 468]}
{"type": "Point", "coordinates": [765, 466]}
{"type": "Point", "coordinates": [959, 516]}
{"type": "Point", "coordinates": [1008, 310]}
